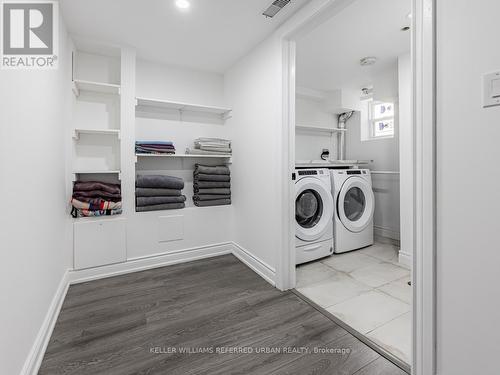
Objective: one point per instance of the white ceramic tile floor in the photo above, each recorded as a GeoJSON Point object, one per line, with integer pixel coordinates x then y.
{"type": "Point", "coordinates": [379, 274]}
{"type": "Point", "coordinates": [350, 262]}
{"type": "Point", "coordinates": [384, 252]}
{"type": "Point", "coordinates": [368, 290]}
{"type": "Point", "coordinates": [398, 289]}
{"type": "Point", "coordinates": [311, 273]}
{"type": "Point", "coordinates": [395, 337]}
{"type": "Point", "coordinates": [368, 311]}
{"type": "Point", "coordinates": [333, 290]}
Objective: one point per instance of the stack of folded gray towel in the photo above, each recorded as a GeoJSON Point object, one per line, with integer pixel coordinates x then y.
{"type": "Point", "coordinates": [155, 193]}
{"type": "Point", "coordinates": [212, 186]}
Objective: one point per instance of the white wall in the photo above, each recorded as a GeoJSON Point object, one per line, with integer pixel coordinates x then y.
{"type": "Point", "coordinates": [97, 68]}
{"type": "Point", "coordinates": [35, 225]}
{"type": "Point", "coordinates": [383, 152]}
{"type": "Point", "coordinates": [253, 90]}
{"type": "Point", "coordinates": [309, 144]}
{"type": "Point", "coordinates": [468, 182]}
{"type": "Point", "coordinates": [179, 84]}
{"type": "Point", "coordinates": [406, 155]}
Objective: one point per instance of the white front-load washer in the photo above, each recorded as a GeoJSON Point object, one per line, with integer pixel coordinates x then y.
{"type": "Point", "coordinates": [313, 215]}
{"type": "Point", "coordinates": [354, 207]}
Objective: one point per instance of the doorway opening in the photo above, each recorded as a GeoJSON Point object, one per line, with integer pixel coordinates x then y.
{"type": "Point", "coordinates": [354, 136]}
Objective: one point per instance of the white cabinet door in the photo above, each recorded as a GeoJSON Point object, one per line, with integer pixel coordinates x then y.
{"type": "Point", "coordinates": [97, 243]}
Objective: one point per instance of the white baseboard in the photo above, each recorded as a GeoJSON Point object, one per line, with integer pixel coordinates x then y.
{"type": "Point", "coordinates": [405, 259]}
{"type": "Point", "coordinates": [35, 357]}
{"type": "Point", "coordinates": [386, 232]}
{"type": "Point", "coordinates": [37, 352]}
{"type": "Point", "coordinates": [264, 270]}
{"type": "Point", "coordinates": [154, 261]}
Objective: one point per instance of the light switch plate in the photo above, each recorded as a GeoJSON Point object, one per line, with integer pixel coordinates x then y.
{"type": "Point", "coordinates": [491, 89]}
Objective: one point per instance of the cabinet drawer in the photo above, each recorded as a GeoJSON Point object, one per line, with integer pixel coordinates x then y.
{"type": "Point", "coordinates": [100, 242]}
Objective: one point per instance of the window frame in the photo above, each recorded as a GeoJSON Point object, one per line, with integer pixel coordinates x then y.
{"type": "Point", "coordinates": [372, 120]}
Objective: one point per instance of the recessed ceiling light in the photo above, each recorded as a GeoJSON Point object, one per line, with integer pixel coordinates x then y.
{"type": "Point", "coordinates": [409, 16]}
{"type": "Point", "coordinates": [182, 4]}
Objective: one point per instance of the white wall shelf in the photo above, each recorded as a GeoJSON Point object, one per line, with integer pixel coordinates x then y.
{"type": "Point", "coordinates": [145, 103]}
{"type": "Point", "coordinates": [319, 129]}
{"type": "Point", "coordinates": [181, 210]}
{"type": "Point", "coordinates": [330, 163]}
{"type": "Point", "coordinates": [99, 87]}
{"type": "Point", "coordinates": [227, 158]}
{"type": "Point", "coordinates": [78, 132]}
{"type": "Point", "coordinates": [76, 173]}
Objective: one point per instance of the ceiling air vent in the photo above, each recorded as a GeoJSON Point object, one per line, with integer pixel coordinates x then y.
{"type": "Point", "coordinates": [275, 7]}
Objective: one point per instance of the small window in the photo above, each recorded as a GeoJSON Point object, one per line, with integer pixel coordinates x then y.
{"type": "Point", "coordinates": [381, 119]}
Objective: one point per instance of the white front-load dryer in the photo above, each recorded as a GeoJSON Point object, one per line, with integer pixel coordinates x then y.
{"type": "Point", "coordinates": [354, 207]}
{"type": "Point", "coordinates": [313, 215]}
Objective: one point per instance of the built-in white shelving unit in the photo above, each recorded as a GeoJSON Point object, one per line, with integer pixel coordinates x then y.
{"type": "Point", "coordinates": [96, 116]}
{"type": "Point", "coordinates": [113, 132]}
{"type": "Point", "coordinates": [98, 87]}
{"type": "Point", "coordinates": [319, 129]}
{"type": "Point", "coordinates": [107, 117]}
{"type": "Point", "coordinates": [144, 104]}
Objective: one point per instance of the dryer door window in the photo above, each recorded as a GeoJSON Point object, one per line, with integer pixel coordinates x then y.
{"type": "Point", "coordinates": [308, 208]}
{"type": "Point", "coordinates": [354, 204]}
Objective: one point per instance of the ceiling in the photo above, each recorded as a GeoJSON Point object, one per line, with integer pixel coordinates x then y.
{"type": "Point", "coordinates": [211, 35]}
{"type": "Point", "coordinates": [328, 57]}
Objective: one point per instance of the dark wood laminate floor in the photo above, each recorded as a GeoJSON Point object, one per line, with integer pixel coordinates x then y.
{"type": "Point", "coordinates": [127, 325]}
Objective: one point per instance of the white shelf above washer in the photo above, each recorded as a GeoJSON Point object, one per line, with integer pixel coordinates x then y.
{"type": "Point", "coordinates": [330, 163]}
{"type": "Point", "coordinates": [319, 129]}
{"type": "Point", "coordinates": [114, 132]}
{"type": "Point", "coordinates": [227, 158]}
{"type": "Point", "coordinates": [99, 87]}
{"type": "Point", "coordinates": [145, 103]}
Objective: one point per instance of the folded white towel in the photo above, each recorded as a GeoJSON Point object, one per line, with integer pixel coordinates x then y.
{"type": "Point", "coordinates": [216, 140]}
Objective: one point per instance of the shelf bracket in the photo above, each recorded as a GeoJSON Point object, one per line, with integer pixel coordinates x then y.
{"type": "Point", "coordinates": [226, 115]}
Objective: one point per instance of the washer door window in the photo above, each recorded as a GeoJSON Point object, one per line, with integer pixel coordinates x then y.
{"type": "Point", "coordinates": [313, 209]}
{"type": "Point", "coordinates": [356, 204]}
{"type": "Point", "coordinates": [308, 208]}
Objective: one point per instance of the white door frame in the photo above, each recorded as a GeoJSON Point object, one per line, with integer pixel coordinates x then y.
{"type": "Point", "coordinates": [424, 274]}
{"type": "Point", "coordinates": [424, 119]}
